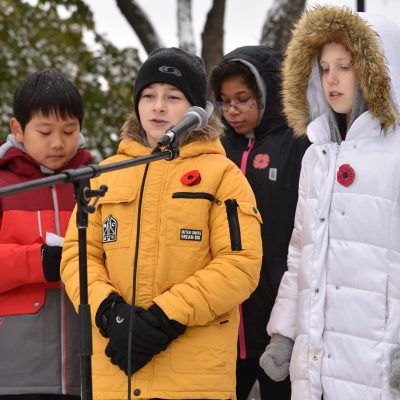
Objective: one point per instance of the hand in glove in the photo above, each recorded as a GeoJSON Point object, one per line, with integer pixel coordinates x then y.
{"type": "Point", "coordinates": [276, 358]}
{"type": "Point", "coordinates": [156, 317]}
{"type": "Point", "coordinates": [51, 258]}
{"type": "Point", "coordinates": [394, 377]}
{"type": "Point", "coordinates": [113, 320]}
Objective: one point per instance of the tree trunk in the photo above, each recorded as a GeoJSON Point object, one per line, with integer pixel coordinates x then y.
{"type": "Point", "coordinates": [141, 24]}
{"type": "Point", "coordinates": [213, 35]}
{"type": "Point", "coordinates": [185, 26]}
{"type": "Point", "coordinates": [279, 22]}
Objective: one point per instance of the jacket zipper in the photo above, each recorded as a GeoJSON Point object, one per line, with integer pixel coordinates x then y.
{"type": "Point", "coordinates": [62, 303]}
{"type": "Point", "coordinates": [134, 274]}
{"type": "Point", "coordinates": [40, 226]}
{"type": "Point", "coordinates": [242, 336]}
{"type": "Point", "coordinates": [56, 210]}
{"type": "Point", "coordinates": [245, 155]}
{"type": "Point", "coordinates": [196, 195]}
{"type": "Point", "coordinates": [234, 227]}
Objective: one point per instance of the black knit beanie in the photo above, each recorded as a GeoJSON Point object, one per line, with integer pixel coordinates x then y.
{"type": "Point", "coordinates": [176, 67]}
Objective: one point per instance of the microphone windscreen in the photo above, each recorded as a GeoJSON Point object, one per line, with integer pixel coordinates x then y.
{"type": "Point", "coordinates": [201, 114]}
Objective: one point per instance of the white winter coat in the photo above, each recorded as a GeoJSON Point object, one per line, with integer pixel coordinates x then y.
{"type": "Point", "coordinates": [340, 298]}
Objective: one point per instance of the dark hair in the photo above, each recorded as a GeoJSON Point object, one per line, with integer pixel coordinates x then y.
{"type": "Point", "coordinates": [48, 92]}
{"type": "Point", "coordinates": [230, 69]}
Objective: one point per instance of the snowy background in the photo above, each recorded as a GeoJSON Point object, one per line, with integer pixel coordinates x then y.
{"type": "Point", "coordinates": [243, 19]}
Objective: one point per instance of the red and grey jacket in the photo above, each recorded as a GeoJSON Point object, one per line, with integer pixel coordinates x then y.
{"type": "Point", "coordinates": [38, 325]}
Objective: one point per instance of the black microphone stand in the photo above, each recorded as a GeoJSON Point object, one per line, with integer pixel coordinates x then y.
{"type": "Point", "coordinates": [80, 177]}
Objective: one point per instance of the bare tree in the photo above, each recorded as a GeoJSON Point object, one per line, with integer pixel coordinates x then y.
{"type": "Point", "coordinates": [275, 33]}
{"type": "Point", "coordinates": [140, 23]}
{"type": "Point", "coordinates": [185, 26]}
{"type": "Point", "coordinates": [213, 35]}
{"type": "Point", "coordinates": [279, 23]}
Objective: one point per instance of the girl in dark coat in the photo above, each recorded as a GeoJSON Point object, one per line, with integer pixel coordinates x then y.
{"type": "Point", "coordinates": [246, 87]}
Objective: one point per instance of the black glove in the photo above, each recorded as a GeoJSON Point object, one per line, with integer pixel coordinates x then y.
{"type": "Point", "coordinates": [113, 320]}
{"type": "Point", "coordinates": [156, 317]}
{"type": "Point", "coordinates": [51, 258]}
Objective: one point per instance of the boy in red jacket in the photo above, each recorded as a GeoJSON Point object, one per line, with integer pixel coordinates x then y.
{"type": "Point", "coordinates": [38, 325]}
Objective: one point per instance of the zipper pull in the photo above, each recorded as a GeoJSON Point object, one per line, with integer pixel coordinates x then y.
{"type": "Point", "coordinates": [249, 143]}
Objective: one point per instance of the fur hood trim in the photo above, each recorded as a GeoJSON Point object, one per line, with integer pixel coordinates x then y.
{"type": "Point", "coordinates": [132, 130]}
{"type": "Point", "coordinates": [325, 24]}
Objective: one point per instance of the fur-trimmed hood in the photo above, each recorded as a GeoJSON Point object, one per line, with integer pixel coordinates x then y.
{"type": "Point", "coordinates": [372, 42]}
{"type": "Point", "coordinates": [133, 130]}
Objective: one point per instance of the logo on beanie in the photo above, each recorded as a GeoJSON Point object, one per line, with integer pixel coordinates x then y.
{"type": "Point", "coordinates": [170, 70]}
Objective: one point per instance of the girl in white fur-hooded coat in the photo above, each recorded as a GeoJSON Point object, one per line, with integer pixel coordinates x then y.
{"type": "Point", "coordinates": [335, 324]}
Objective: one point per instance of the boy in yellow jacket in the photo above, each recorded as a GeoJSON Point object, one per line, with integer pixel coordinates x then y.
{"type": "Point", "coordinates": [174, 245]}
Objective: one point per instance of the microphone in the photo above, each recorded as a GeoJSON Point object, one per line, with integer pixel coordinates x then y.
{"type": "Point", "coordinates": [195, 117]}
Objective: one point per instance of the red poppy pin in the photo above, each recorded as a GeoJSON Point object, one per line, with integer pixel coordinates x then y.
{"type": "Point", "coordinates": [261, 161]}
{"type": "Point", "coordinates": [191, 178]}
{"type": "Point", "coordinates": [345, 175]}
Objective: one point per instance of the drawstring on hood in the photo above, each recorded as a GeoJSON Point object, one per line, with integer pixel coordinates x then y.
{"type": "Point", "coordinates": [359, 107]}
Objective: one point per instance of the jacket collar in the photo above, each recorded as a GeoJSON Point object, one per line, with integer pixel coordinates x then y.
{"type": "Point", "coordinates": [132, 148]}
{"type": "Point", "coordinates": [197, 141]}
{"type": "Point", "coordinates": [133, 130]}
{"type": "Point", "coordinates": [15, 159]}
{"type": "Point", "coordinates": [318, 131]}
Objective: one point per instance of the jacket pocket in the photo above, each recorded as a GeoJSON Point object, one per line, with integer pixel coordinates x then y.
{"type": "Point", "coordinates": [118, 217]}
{"type": "Point", "coordinates": [187, 219]}
{"type": "Point", "coordinates": [208, 348]}
{"type": "Point", "coordinates": [195, 195]}
{"type": "Point", "coordinates": [24, 342]}
{"type": "Point", "coordinates": [232, 207]}
{"type": "Point", "coordinates": [234, 226]}
{"type": "Point", "coordinates": [28, 299]}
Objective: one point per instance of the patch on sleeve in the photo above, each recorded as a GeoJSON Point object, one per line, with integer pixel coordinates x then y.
{"type": "Point", "coordinates": [110, 227]}
{"type": "Point", "coordinates": [191, 234]}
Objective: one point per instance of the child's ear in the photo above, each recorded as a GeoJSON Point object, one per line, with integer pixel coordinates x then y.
{"type": "Point", "coordinates": [16, 130]}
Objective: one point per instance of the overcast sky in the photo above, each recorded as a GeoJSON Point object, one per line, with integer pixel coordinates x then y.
{"type": "Point", "coordinates": [243, 19]}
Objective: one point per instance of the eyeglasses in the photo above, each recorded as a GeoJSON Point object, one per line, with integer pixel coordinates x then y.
{"type": "Point", "coordinates": [240, 106]}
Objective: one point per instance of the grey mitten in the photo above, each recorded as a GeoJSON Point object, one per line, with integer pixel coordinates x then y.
{"type": "Point", "coordinates": [394, 377]}
{"type": "Point", "coordinates": [276, 358]}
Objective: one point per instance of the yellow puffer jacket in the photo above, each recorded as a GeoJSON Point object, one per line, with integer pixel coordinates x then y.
{"type": "Point", "coordinates": [198, 258]}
